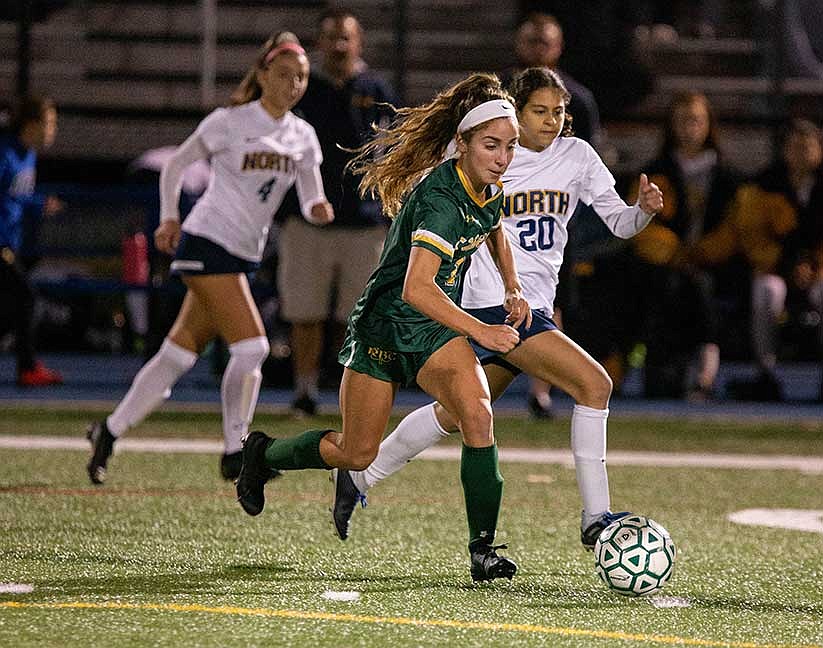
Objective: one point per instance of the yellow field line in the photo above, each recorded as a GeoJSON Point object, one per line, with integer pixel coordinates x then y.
{"type": "Point", "coordinates": [440, 623]}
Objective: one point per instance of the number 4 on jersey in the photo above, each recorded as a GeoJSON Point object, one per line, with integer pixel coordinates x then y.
{"type": "Point", "coordinates": [265, 189]}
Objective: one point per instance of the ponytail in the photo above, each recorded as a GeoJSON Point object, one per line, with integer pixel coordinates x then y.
{"type": "Point", "coordinates": [400, 156]}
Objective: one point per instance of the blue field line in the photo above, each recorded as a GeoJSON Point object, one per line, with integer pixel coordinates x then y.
{"type": "Point", "coordinates": [100, 380]}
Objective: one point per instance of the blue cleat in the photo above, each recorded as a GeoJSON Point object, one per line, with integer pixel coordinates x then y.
{"type": "Point", "coordinates": [591, 533]}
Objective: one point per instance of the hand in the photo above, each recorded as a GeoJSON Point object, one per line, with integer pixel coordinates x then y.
{"type": "Point", "coordinates": [501, 338]}
{"type": "Point", "coordinates": [518, 309]}
{"type": "Point", "coordinates": [167, 236]}
{"type": "Point", "coordinates": [803, 275]}
{"type": "Point", "coordinates": [53, 206]}
{"type": "Point", "coordinates": [649, 196]}
{"type": "Point", "coordinates": [321, 214]}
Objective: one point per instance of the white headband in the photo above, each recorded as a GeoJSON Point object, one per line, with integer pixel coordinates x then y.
{"type": "Point", "coordinates": [486, 112]}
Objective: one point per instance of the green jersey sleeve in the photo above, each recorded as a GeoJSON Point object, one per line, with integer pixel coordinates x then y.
{"type": "Point", "coordinates": [437, 225]}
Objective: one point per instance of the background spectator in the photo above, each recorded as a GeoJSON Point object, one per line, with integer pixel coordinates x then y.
{"type": "Point", "coordinates": [679, 320]}
{"type": "Point", "coordinates": [33, 128]}
{"type": "Point", "coordinates": [539, 43]}
{"type": "Point", "coordinates": [599, 37]}
{"type": "Point", "coordinates": [776, 222]}
{"type": "Point", "coordinates": [319, 267]}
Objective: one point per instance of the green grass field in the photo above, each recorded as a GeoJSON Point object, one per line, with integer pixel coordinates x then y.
{"type": "Point", "coordinates": [164, 556]}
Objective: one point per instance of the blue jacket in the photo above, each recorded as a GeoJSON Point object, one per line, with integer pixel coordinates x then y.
{"type": "Point", "coordinates": [18, 198]}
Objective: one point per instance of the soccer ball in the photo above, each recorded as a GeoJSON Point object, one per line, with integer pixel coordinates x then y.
{"type": "Point", "coordinates": [634, 556]}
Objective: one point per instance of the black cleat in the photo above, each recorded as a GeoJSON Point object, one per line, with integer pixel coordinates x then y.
{"type": "Point", "coordinates": [230, 464]}
{"type": "Point", "coordinates": [346, 497]}
{"type": "Point", "coordinates": [540, 410]}
{"type": "Point", "coordinates": [591, 533]}
{"type": "Point", "coordinates": [102, 445]}
{"type": "Point", "coordinates": [254, 473]}
{"type": "Point", "coordinates": [487, 565]}
{"type": "Point", "coordinates": [304, 405]}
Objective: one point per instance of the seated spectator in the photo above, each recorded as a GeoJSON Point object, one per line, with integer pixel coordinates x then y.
{"type": "Point", "coordinates": [776, 222]}
{"type": "Point", "coordinates": [678, 315]}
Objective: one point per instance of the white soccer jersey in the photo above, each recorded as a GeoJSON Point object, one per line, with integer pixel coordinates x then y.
{"type": "Point", "coordinates": [542, 190]}
{"type": "Point", "coordinates": [254, 160]}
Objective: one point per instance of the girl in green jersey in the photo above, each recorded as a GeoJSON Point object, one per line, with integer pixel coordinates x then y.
{"type": "Point", "coordinates": [407, 326]}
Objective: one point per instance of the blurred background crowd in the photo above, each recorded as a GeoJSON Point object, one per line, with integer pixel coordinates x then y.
{"type": "Point", "coordinates": [720, 102]}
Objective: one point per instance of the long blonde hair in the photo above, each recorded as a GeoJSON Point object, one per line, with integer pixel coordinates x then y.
{"type": "Point", "coordinates": [398, 157]}
{"type": "Point", "coordinates": [249, 88]}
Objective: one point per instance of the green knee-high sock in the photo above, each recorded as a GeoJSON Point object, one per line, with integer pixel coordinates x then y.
{"type": "Point", "coordinates": [483, 489]}
{"type": "Point", "coordinates": [296, 453]}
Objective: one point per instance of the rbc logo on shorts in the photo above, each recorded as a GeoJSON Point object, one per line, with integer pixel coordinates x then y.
{"type": "Point", "coordinates": [381, 355]}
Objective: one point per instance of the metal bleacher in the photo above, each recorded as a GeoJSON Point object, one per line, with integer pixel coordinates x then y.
{"type": "Point", "coordinates": [126, 72]}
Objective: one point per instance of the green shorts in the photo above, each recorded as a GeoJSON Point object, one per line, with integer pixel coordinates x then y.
{"type": "Point", "coordinates": [386, 364]}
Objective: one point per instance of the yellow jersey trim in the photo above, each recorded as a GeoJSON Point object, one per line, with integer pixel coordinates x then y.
{"type": "Point", "coordinates": [479, 200]}
{"type": "Point", "coordinates": [423, 236]}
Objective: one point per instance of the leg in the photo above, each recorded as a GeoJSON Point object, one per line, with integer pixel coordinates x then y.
{"type": "Point", "coordinates": [234, 316]}
{"type": "Point", "coordinates": [455, 378]}
{"type": "Point", "coordinates": [19, 298]}
{"type": "Point", "coordinates": [22, 297]}
{"type": "Point", "coordinates": [365, 405]}
{"type": "Point", "coordinates": [305, 283]}
{"type": "Point", "coordinates": [540, 400]}
{"type": "Point", "coordinates": [768, 303]}
{"type": "Point", "coordinates": [307, 349]}
{"type": "Point", "coordinates": [420, 430]}
{"type": "Point", "coordinates": [554, 356]}
{"type": "Point", "coordinates": [152, 384]}
{"type": "Point", "coordinates": [417, 431]}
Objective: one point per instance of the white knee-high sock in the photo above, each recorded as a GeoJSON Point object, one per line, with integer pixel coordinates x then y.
{"type": "Point", "coordinates": [151, 386]}
{"type": "Point", "coordinates": [240, 388]}
{"type": "Point", "coordinates": [589, 450]}
{"type": "Point", "coordinates": [416, 432]}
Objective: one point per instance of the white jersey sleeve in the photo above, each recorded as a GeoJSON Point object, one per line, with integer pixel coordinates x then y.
{"type": "Point", "coordinates": [309, 182]}
{"type": "Point", "coordinates": [214, 130]}
{"type": "Point", "coordinates": [312, 154]}
{"type": "Point", "coordinates": [171, 176]}
{"type": "Point", "coordinates": [623, 220]}
{"type": "Point", "coordinates": [597, 179]}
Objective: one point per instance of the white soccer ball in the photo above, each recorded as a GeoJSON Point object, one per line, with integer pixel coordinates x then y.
{"type": "Point", "coordinates": [634, 556]}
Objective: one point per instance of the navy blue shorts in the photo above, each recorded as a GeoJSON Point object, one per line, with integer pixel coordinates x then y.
{"type": "Point", "coordinates": [199, 256]}
{"type": "Point", "coordinates": [541, 321]}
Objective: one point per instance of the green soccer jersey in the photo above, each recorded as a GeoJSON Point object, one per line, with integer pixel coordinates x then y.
{"type": "Point", "coordinates": [443, 215]}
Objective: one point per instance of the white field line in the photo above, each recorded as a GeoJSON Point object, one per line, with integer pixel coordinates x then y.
{"type": "Point", "coordinates": [795, 519]}
{"type": "Point", "coordinates": [807, 464]}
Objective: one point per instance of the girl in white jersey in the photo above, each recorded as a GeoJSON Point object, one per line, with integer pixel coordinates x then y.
{"type": "Point", "coordinates": [257, 149]}
{"type": "Point", "coordinates": [551, 172]}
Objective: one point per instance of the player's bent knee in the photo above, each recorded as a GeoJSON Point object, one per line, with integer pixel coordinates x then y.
{"type": "Point", "coordinates": [596, 390]}
{"type": "Point", "coordinates": [476, 421]}
{"type": "Point", "coordinates": [253, 351]}
{"type": "Point", "coordinates": [360, 459]}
